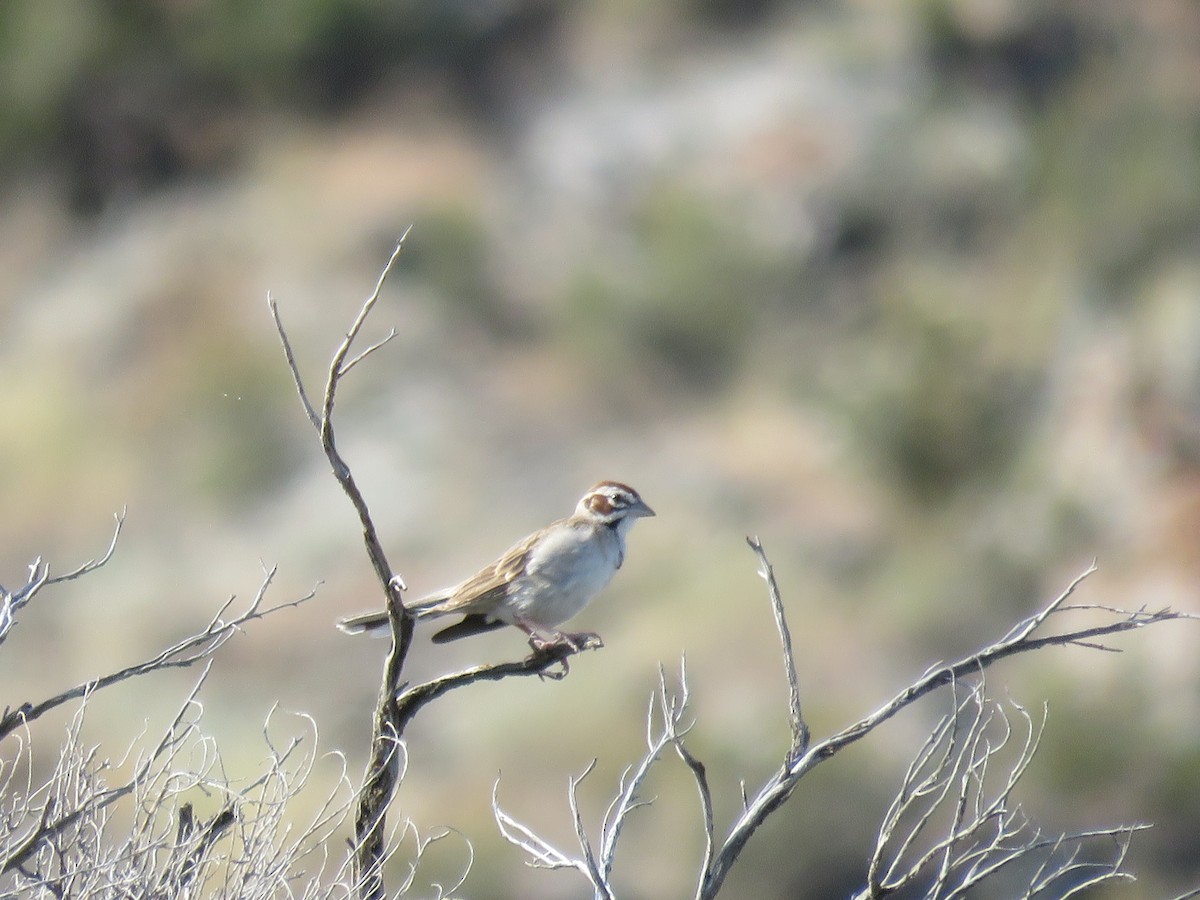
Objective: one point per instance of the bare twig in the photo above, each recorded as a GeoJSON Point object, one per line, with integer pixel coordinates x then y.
{"type": "Point", "coordinates": [672, 708]}
{"type": "Point", "coordinates": [183, 653]}
{"type": "Point", "coordinates": [951, 777]}
{"type": "Point", "coordinates": [346, 367]}
{"type": "Point", "coordinates": [336, 369]}
{"type": "Point", "coordinates": [600, 882]}
{"type": "Point", "coordinates": [323, 421]}
{"type": "Point", "coordinates": [379, 783]}
{"type": "Point", "coordinates": [39, 577]}
{"type": "Point", "coordinates": [201, 840]}
{"type": "Point", "coordinates": [53, 824]}
{"type": "Point", "coordinates": [1026, 627]}
{"type": "Point", "coordinates": [1020, 639]}
{"type": "Point", "coordinates": [698, 771]}
{"type": "Point", "coordinates": [290, 356]}
{"type": "Point", "coordinates": [73, 844]}
{"type": "Point", "coordinates": [800, 731]}
{"type": "Point", "coordinates": [948, 781]}
{"type": "Point", "coordinates": [92, 564]}
{"type": "Point", "coordinates": [597, 869]}
{"type": "Point", "coordinates": [542, 854]}
{"type": "Point", "coordinates": [395, 706]}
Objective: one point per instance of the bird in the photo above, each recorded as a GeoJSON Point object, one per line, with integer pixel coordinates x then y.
{"type": "Point", "coordinates": [539, 582]}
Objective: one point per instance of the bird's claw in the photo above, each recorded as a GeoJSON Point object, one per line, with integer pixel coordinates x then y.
{"type": "Point", "coordinates": [583, 640]}
{"type": "Point", "coordinates": [575, 642]}
{"type": "Point", "coordinates": [555, 674]}
{"type": "Point", "coordinates": [566, 644]}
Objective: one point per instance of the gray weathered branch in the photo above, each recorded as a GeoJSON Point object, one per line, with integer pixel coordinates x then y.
{"type": "Point", "coordinates": [1025, 637]}
{"type": "Point", "coordinates": [39, 577]}
{"type": "Point", "coordinates": [379, 784]}
{"type": "Point", "coordinates": [183, 653]}
{"type": "Point", "coordinates": [986, 833]}
{"type": "Point", "coordinates": [396, 704]}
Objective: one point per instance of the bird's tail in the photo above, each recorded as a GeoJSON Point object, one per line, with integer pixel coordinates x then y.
{"type": "Point", "coordinates": [376, 623]}
{"type": "Point", "coordinates": [373, 623]}
{"type": "Point", "coordinates": [430, 605]}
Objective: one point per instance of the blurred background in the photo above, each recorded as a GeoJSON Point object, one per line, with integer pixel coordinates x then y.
{"type": "Point", "coordinates": [909, 290]}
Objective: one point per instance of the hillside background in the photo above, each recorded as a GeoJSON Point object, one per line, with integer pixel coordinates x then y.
{"type": "Point", "coordinates": [909, 290]}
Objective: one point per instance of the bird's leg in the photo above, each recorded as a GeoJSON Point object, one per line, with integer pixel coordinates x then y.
{"type": "Point", "coordinates": [536, 639]}
{"type": "Point", "coordinates": [541, 644]}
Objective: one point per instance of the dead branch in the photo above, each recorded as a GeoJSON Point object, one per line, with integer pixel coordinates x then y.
{"type": "Point", "coordinates": [541, 662]}
{"type": "Point", "coordinates": [201, 839]}
{"type": "Point", "coordinates": [947, 786]}
{"type": "Point", "coordinates": [39, 577]}
{"type": "Point", "coordinates": [183, 653]}
{"type": "Point", "coordinates": [596, 867]}
{"type": "Point", "coordinates": [59, 814]}
{"type": "Point", "coordinates": [1022, 638]}
{"type": "Point", "coordinates": [800, 730]}
{"type": "Point", "coordinates": [956, 821]}
{"type": "Point", "coordinates": [392, 585]}
{"type": "Point", "coordinates": [380, 781]}
{"type": "Point", "coordinates": [62, 839]}
{"type": "Point", "coordinates": [396, 704]}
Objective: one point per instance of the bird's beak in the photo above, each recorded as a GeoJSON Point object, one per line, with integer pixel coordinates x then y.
{"type": "Point", "coordinates": [641, 510]}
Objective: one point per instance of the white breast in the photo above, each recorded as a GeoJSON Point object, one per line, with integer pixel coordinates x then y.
{"type": "Point", "coordinates": [569, 567]}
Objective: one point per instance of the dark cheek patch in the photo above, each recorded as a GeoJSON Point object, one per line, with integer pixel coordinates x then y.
{"type": "Point", "coordinates": [600, 504]}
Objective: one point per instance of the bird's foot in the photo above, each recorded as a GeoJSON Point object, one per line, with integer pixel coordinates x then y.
{"type": "Point", "coordinates": [581, 640]}
{"type": "Point", "coordinates": [562, 645]}
{"type": "Point", "coordinates": [575, 642]}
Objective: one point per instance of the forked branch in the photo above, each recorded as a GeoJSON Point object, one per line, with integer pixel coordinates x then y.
{"type": "Point", "coordinates": [61, 811]}
{"type": "Point", "coordinates": [183, 653]}
{"type": "Point", "coordinates": [950, 823]}
{"type": "Point", "coordinates": [379, 784]}
{"type": "Point", "coordinates": [666, 727]}
{"type": "Point", "coordinates": [1026, 637]}
{"type": "Point", "coordinates": [392, 584]}
{"type": "Point", "coordinates": [955, 821]}
{"type": "Point", "coordinates": [395, 706]}
{"type": "Point", "coordinates": [39, 577]}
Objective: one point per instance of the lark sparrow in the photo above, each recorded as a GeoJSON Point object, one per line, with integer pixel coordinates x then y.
{"type": "Point", "coordinates": [540, 582]}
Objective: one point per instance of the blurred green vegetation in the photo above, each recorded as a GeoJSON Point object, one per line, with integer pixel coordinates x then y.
{"type": "Point", "coordinates": [944, 408]}
{"type": "Point", "coordinates": [129, 94]}
{"type": "Point", "coordinates": [452, 257]}
{"type": "Point", "coordinates": [686, 296]}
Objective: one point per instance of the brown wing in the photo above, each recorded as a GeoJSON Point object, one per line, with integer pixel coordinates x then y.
{"type": "Point", "coordinates": [486, 590]}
